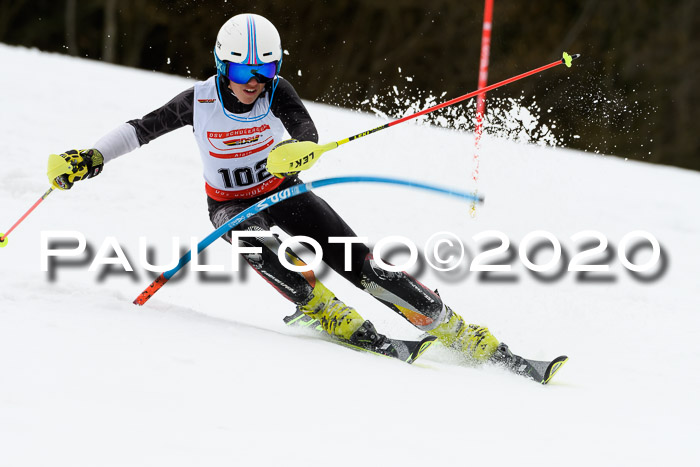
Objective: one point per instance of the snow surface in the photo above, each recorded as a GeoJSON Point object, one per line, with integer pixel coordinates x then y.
{"type": "Point", "coordinates": [207, 374]}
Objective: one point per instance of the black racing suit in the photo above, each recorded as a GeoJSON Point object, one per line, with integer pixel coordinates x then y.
{"type": "Point", "coordinates": [305, 214]}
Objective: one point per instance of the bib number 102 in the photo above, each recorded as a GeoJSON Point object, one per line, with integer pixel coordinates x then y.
{"type": "Point", "coordinates": [244, 176]}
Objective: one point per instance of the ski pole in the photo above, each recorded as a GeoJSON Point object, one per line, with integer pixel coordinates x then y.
{"type": "Point", "coordinates": [3, 236]}
{"type": "Point", "coordinates": [281, 196]}
{"type": "Point", "coordinates": [302, 155]}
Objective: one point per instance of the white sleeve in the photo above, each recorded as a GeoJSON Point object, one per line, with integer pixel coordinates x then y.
{"type": "Point", "coordinates": [117, 142]}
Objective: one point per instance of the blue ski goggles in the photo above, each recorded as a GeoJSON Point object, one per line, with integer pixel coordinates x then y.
{"type": "Point", "coordinates": [241, 73]}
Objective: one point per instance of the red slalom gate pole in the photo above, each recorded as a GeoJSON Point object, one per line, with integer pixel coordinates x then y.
{"type": "Point", "coordinates": [483, 77]}
{"type": "Point", "coordinates": [481, 98]}
{"type": "Point", "coordinates": [3, 237]}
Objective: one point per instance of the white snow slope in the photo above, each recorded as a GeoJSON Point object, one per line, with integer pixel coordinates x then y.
{"type": "Point", "coordinates": [207, 374]}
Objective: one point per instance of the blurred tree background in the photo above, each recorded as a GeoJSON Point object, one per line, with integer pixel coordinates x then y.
{"type": "Point", "coordinates": [633, 93]}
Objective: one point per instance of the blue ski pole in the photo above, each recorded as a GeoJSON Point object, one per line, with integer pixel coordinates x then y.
{"type": "Point", "coordinates": [281, 196]}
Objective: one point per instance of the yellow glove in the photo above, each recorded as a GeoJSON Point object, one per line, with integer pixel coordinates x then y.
{"type": "Point", "coordinates": [277, 159]}
{"type": "Point", "coordinates": [71, 166]}
{"type": "Point", "coordinates": [291, 156]}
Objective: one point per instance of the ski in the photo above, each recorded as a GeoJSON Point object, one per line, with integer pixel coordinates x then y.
{"type": "Point", "coordinates": [536, 370]}
{"type": "Point", "coordinates": [404, 350]}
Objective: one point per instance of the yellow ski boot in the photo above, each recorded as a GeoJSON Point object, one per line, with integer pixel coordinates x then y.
{"type": "Point", "coordinates": [336, 317]}
{"type": "Point", "coordinates": [475, 342]}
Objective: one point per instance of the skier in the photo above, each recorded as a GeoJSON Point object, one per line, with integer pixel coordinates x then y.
{"type": "Point", "coordinates": [238, 116]}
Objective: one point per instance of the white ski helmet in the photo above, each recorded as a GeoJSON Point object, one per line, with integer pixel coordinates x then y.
{"type": "Point", "coordinates": [248, 46]}
{"type": "Point", "coordinates": [247, 39]}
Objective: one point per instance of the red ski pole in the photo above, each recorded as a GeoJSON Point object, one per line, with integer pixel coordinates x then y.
{"type": "Point", "coordinates": [3, 236]}
{"type": "Point", "coordinates": [301, 155]}
{"type": "Point", "coordinates": [564, 61]}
